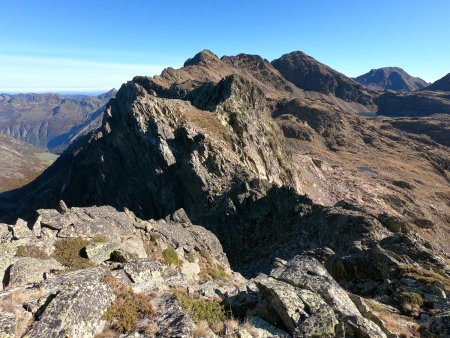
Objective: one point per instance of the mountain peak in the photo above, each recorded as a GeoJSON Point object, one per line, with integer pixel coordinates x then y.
{"type": "Point", "coordinates": [309, 74]}
{"type": "Point", "coordinates": [205, 56]}
{"type": "Point", "coordinates": [441, 84]}
{"type": "Point", "coordinates": [391, 78]}
{"type": "Point", "coordinates": [109, 94]}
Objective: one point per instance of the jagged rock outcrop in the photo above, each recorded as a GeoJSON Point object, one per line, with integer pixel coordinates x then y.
{"type": "Point", "coordinates": [298, 298]}
{"type": "Point", "coordinates": [189, 155]}
{"type": "Point", "coordinates": [391, 78]}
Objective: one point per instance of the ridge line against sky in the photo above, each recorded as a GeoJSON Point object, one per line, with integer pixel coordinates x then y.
{"type": "Point", "coordinates": [96, 45]}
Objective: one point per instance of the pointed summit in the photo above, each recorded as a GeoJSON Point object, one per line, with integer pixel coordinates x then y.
{"type": "Point", "coordinates": [204, 57]}
{"type": "Point", "coordinates": [441, 84]}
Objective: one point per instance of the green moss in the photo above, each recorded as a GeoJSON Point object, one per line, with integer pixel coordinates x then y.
{"type": "Point", "coordinates": [217, 274]}
{"type": "Point", "coordinates": [412, 297]}
{"type": "Point", "coordinates": [171, 257]}
{"type": "Point", "coordinates": [68, 252]}
{"type": "Point", "coordinates": [128, 307]}
{"type": "Point", "coordinates": [201, 310]}
{"type": "Point", "coordinates": [31, 250]}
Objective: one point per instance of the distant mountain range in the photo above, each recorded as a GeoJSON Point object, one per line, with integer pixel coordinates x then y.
{"type": "Point", "coordinates": [50, 120]}
{"type": "Point", "coordinates": [391, 78]}
{"type": "Point", "coordinates": [53, 121]}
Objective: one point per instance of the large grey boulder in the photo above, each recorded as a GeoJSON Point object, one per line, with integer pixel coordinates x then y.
{"type": "Point", "coordinates": [31, 270]}
{"type": "Point", "coordinates": [307, 273]}
{"type": "Point", "coordinates": [127, 250]}
{"type": "Point", "coordinates": [100, 252]}
{"type": "Point", "coordinates": [311, 303]}
{"type": "Point", "coordinates": [146, 274]}
{"type": "Point", "coordinates": [298, 307]}
{"type": "Point", "coordinates": [76, 311]}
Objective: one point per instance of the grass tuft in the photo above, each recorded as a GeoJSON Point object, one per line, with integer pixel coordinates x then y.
{"type": "Point", "coordinates": [201, 310]}
{"type": "Point", "coordinates": [128, 307]}
{"type": "Point", "coordinates": [170, 257]}
{"type": "Point", "coordinates": [68, 252]}
{"type": "Point", "coordinates": [217, 273]}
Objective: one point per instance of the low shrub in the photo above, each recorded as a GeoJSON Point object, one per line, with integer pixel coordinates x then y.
{"type": "Point", "coordinates": [412, 297]}
{"type": "Point", "coordinates": [68, 252]}
{"type": "Point", "coordinates": [202, 310]}
{"type": "Point", "coordinates": [170, 257]}
{"type": "Point", "coordinates": [425, 276]}
{"type": "Point", "coordinates": [128, 307]}
{"type": "Point", "coordinates": [217, 274]}
{"type": "Point", "coordinates": [99, 239]}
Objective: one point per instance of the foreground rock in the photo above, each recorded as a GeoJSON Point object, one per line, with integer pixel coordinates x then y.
{"type": "Point", "coordinates": [311, 303]}
{"type": "Point", "coordinates": [171, 278]}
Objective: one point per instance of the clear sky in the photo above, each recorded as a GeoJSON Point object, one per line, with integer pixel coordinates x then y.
{"type": "Point", "coordinates": [87, 45]}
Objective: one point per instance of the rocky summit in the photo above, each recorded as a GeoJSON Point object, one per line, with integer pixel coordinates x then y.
{"type": "Point", "coordinates": [236, 197]}
{"type": "Point", "coordinates": [391, 78]}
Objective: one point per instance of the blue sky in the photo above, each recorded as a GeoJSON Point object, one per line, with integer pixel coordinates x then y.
{"type": "Point", "coordinates": [95, 45]}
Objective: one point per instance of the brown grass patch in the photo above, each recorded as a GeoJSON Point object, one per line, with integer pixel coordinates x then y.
{"type": "Point", "coordinates": [128, 307]}
{"type": "Point", "coordinates": [30, 250]}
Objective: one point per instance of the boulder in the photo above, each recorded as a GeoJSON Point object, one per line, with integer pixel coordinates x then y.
{"type": "Point", "coordinates": [126, 251]}
{"type": "Point", "coordinates": [307, 273]}
{"type": "Point", "coordinates": [76, 311]}
{"type": "Point", "coordinates": [20, 231]}
{"type": "Point", "coordinates": [147, 275]}
{"type": "Point", "coordinates": [324, 303]}
{"type": "Point", "coordinates": [5, 233]}
{"type": "Point", "coordinates": [31, 270]}
{"type": "Point", "coordinates": [296, 306]}
{"type": "Point", "coordinates": [100, 252]}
